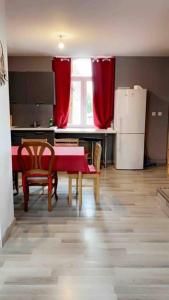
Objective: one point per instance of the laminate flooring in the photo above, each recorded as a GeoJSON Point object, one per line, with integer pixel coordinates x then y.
{"type": "Point", "coordinates": [118, 249]}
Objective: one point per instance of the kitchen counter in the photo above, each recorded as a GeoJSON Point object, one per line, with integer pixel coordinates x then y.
{"type": "Point", "coordinates": [91, 135]}
{"type": "Point", "coordinates": [66, 130]}
{"type": "Point", "coordinates": [13, 128]}
{"type": "Point", "coordinates": [85, 130]}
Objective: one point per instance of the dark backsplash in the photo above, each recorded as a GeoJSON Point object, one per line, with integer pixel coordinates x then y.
{"type": "Point", "coordinates": [25, 115]}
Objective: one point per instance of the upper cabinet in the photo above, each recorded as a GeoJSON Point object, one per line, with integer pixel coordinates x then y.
{"type": "Point", "coordinates": [31, 87]}
{"type": "Point", "coordinates": [17, 87]}
{"type": "Point", "coordinates": [40, 87]}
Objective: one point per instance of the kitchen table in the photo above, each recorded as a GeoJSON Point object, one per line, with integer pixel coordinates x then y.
{"type": "Point", "coordinates": [67, 159]}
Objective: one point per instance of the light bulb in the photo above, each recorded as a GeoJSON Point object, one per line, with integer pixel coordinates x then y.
{"type": "Point", "coordinates": [61, 45]}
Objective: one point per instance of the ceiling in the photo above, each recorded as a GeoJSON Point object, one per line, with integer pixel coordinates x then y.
{"type": "Point", "coordinates": [91, 27]}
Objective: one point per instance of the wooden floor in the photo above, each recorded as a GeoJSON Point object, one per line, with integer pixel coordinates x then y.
{"type": "Point", "coordinates": [117, 250]}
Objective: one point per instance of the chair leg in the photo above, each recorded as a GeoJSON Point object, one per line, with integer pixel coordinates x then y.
{"type": "Point", "coordinates": [80, 189]}
{"type": "Point", "coordinates": [70, 191]}
{"type": "Point", "coordinates": [97, 189]}
{"type": "Point", "coordinates": [43, 190]}
{"type": "Point", "coordinates": [94, 186]}
{"type": "Point", "coordinates": [26, 197]}
{"type": "Point", "coordinates": [76, 187]}
{"type": "Point", "coordinates": [50, 195]}
{"type": "Point", "coordinates": [55, 186]}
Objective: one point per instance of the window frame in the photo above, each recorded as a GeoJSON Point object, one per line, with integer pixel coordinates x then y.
{"type": "Point", "coordinates": [83, 80]}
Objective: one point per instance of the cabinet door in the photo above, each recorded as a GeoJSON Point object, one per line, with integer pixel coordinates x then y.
{"type": "Point", "coordinates": [17, 136]}
{"type": "Point", "coordinates": [17, 87]}
{"type": "Point", "coordinates": [40, 87]}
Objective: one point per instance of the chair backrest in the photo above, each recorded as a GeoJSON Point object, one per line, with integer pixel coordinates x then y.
{"type": "Point", "coordinates": [97, 156]}
{"type": "Point", "coordinates": [33, 140]}
{"type": "Point", "coordinates": [30, 155]}
{"type": "Point", "coordinates": [66, 142]}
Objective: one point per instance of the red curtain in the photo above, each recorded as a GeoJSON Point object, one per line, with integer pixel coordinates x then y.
{"type": "Point", "coordinates": [62, 69]}
{"type": "Point", "coordinates": [103, 91]}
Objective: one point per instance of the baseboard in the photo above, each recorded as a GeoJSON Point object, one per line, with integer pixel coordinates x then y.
{"type": "Point", "coordinates": [159, 161]}
{"type": "Point", "coordinates": [7, 233]}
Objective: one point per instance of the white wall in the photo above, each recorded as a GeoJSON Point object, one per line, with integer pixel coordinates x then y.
{"type": "Point", "coordinates": [6, 191]}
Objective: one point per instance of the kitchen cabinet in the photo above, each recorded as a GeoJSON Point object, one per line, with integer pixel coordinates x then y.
{"type": "Point", "coordinates": [17, 87]}
{"type": "Point", "coordinates": [40, 87]}
{"type": "Point", "coordinates": [31, 87]}
{"type": "Point", "coordinates": [17, 135]}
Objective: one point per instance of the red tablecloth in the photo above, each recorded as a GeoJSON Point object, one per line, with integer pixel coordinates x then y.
{"type": "Point", "coordinates": [67, 159]}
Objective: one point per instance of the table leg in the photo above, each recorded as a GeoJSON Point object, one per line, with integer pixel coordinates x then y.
{"type": "Point", "coordinates": [105, 150]}
{"type": "Point", "coordinates": [92, 153]}
{"type": "Point", "coordinates": [70, 191]}
{"type": "Point", "coordinates": [80, 189]}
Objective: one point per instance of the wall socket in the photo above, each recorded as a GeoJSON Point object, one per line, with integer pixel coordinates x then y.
{"type": "Point", "coordinates": [158, 113]}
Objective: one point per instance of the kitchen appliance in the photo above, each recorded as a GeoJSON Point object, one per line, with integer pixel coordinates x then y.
{"type": "Point", "coordinates": [129, 123]}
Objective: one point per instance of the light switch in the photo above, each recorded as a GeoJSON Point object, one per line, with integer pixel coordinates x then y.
{"type": "Point", "coordinates": [159, 113]}
{"type": "Point", "coordinates": [153, 113]}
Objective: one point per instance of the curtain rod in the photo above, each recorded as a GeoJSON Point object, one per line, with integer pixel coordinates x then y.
{"type": "Point", "coordinates": [88, 57]}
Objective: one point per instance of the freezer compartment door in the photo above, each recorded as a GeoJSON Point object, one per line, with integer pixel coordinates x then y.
{"type": "Point", "coordinates": [130, 111]}
{"type": "Point", "coordinates": [129, 151]}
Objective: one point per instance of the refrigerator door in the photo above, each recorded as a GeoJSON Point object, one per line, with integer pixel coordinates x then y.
{"type": "Point", "coordinates": [130, 110]}
{"type": "Point", "coordinates": [129, 151]}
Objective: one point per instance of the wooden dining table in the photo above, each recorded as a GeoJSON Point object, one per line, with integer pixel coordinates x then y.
{"type": "Point", "coordinates": [67, 159]}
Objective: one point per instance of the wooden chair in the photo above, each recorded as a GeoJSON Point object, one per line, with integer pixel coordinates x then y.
{"type": "Point", "coordinates": [66, 142]}
{"type": "Point", "coordinates": [94, 173]}
{"type": "Point", "coordinates": [15, 174]}
{"type": "Point", "coordinates": [33, 173]}
{"type": "Point", "coordinates": [33, 140]}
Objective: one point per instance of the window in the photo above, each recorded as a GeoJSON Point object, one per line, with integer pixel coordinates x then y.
{"type": "Point", "coordinates": [81, 99]}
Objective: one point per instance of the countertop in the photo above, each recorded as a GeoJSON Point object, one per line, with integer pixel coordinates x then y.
{"type": "Point", "coordinates": [66, 130]}
{"type": "Point", "coordinates": [85, 130]}
{"type": "Point", "coordinates": [14, 128]}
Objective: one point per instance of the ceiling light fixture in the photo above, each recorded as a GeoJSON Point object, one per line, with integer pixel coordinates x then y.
{"type": "Point", "coordinates": [60, 43]}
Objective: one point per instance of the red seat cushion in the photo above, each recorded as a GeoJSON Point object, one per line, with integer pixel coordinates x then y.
{"type": "Point", "coordinates": [91, 168]}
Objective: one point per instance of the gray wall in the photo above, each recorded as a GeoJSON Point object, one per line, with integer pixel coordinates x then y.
{"type": "Point", "coordinates": [6, 201]}
{"type": "Point", "coordinates": [28, 63]}
{"type": "Point", "coordinates": [152, 74]}
{"type": "Point", "coordinates": [24, 115]}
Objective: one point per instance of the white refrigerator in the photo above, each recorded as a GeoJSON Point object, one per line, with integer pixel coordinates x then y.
{"type": "Point", "coordinates": [129, 123]}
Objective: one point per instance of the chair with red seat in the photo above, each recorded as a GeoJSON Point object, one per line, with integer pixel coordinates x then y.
{"type": "Point", "coordinates": [93, 173]}
{"type": "Point", "coordinates": [34, 172]}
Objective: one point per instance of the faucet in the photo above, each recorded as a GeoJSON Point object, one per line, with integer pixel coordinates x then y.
{"type": "Point", "coordinates": [35, 124]}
